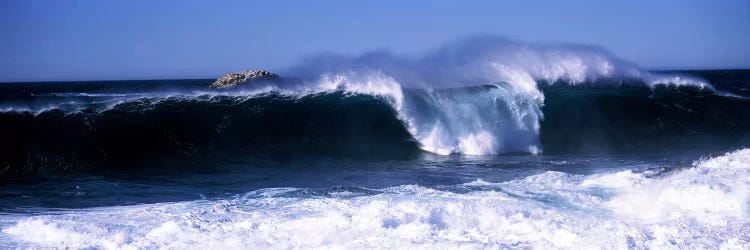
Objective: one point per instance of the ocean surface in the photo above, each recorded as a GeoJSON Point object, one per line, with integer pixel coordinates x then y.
{"type": "Point", "coordinates": [653, 160]}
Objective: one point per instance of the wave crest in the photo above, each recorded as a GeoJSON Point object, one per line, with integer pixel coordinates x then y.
{"type": "Point", "coordinates": [498, 120]}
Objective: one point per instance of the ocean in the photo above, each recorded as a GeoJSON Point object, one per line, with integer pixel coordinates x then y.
{"type": "Point", "coordinates": [353, 161]}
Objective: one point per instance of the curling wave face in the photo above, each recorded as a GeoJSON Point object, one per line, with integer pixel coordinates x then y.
{"type": "Point", "coordinates": [705, 205]}
{"type": "Point", "coordinates": [371, 117]}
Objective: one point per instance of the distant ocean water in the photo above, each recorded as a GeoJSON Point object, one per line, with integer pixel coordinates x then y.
{"type": "Point", "coordinates": [365, 162]}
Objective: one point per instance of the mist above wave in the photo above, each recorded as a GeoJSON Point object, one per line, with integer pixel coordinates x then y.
{"type": "Point", "coordinates": [486, 59]}
{"type": "Point", "coordinates": [499, 120]}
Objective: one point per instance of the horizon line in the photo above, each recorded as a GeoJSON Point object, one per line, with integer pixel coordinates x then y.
{"type": "Point", "coordinates": [182, 79]}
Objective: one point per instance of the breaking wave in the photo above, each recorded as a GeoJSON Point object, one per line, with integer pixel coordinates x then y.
{"type": "Point", "coordinates": [479, 96]}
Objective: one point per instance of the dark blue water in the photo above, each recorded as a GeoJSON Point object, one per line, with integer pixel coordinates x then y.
{"type": "Point", "coordinates": [320, 175]}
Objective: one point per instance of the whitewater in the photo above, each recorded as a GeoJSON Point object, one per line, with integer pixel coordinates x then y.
{"type": "Point", "coordinates": [704, 205]}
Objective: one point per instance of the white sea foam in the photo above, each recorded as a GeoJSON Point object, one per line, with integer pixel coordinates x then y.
{"type": "Point", "coordinates": [705, 206]}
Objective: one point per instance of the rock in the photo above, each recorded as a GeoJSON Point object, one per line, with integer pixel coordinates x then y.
{"type": "Point", "coordinates": [233, 79]}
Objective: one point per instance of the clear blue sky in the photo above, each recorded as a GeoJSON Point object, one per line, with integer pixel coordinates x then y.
{"type": "Point", "coordinates": [86, 40]}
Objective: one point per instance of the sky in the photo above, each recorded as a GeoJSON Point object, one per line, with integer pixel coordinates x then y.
{"type": "Point", "coordinates": [43, 40]}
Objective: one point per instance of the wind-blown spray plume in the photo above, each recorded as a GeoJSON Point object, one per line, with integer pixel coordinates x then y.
{"type": "Point", "coordinates": [502, 117]}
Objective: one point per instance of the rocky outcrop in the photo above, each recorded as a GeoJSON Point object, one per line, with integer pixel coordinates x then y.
{"type": "Point", "coordinates": [234, 79]}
